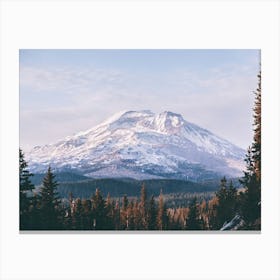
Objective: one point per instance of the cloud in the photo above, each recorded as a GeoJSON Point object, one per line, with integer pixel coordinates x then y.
{"type": "Point", "coordinates": [65, 80]}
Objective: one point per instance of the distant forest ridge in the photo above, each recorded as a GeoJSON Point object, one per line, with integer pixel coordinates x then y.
{"type": "Point", "coordinates": [83, 187]}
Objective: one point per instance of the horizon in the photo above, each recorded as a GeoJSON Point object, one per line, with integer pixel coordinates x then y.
{"type": "Point", "coordinates": [63, 92]}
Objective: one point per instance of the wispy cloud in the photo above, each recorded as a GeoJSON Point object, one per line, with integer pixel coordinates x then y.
{"type": "Point", "coordinates": [67, 80]}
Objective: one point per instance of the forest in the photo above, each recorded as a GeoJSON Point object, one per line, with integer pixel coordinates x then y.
{"type": "Point", "coordinates": [228, 209]}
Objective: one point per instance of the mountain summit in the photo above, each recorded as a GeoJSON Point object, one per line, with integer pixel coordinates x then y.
{"type": "Point", "coordinates": [142, 145]}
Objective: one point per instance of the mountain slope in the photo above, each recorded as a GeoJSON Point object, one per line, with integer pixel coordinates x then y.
{"type": "Point", "coordinates": [142, 145]}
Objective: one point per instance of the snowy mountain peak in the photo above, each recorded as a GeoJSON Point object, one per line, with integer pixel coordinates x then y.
{"type": "Point", "coordinates": [142, 144]}
{"type": "Point", "coordinates": [168, 122]}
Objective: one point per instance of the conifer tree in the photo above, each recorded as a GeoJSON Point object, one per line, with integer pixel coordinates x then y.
{"type": "Point", "coordinates": [137, 216]}
{"type": "Point", "coordinates": [143, 207]}
{"type": "Point", "coordinates": [256, 147]}
{"type": "Point", "coordinates": [162, 218]}
{"type": "Point", "coordinates": [130, 214]}
{"type": "Point", "coordinates": [26, 197]}
{"type": "Point", "coordinates": [124, 214]}
{"type": "Point", "coordinates": [194, 221]}
{"type": "Point", "coordinates": [77, 215]}
{"type": "Point", "coordinates": [87, 214]}
{"type": "Point", "coordinates": [117, 215]}
{"type": "Point", "coordinates": [109, 205]}
{"type": "Point", "coordinates": [152, 214]}
{"type": "Point", "coordinates": [99, 209]}
{"type": "Point", "coordinates": [227, 203]}
{"type": "Point", "coordinates": [50, 204]}
{"type": "Point", "coordinates": [251, 199]}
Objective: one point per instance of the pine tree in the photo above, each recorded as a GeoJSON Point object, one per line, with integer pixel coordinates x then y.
{"type": "Point", "coordinates": [26, 196]}
{"type": "Point", "coordinates": [227, 203]}
{"type": "Point", "coordinates": [124, 214]}
{"type": "Point", "coordinates": [130, 214]}
{"type": "Point", "coordinates": [87, 214]}
{"type": "Point", "coordinates": [77, 214]}
{"type": "Point", "coordinates": [99, 210]}
{"type": "Point", "coordinates": [256, 147]}
{"type": "Point", "coordinates": [162, 218]}
{"type": "Point", "coordinates": [221, 208]}
{"type": "Point", "coordinates": [109, 205]}
{"type": "Point", "coordinates": [251, 199]}
{"type": "Point", "coordinates": [152, 214]}
{"type": "Point", "coordinates": [143, 207]}
{"type": "Point", "coordinates": [50, 204]}
{"type": "Point", "coordinates": [137, 216]}
{"type": "Point", "coordinates": [194, 221]}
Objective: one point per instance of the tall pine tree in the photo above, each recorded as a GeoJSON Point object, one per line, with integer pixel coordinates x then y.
{"type": "Point", "coordinates": [152, 214]}
{"type": "Point", "coordinates": [162, 218]}
{"type": "Point", "coordinates": [99, 211]}
{"type": "Point", "coordinates": [194, 222]}
{"type": "Point", "coordinates": [251, 199]}
{"type": "Point", "coordinates": [227, 203]}
{"type": "Point", "coordinates": [144, 208]}
{"type": "Point", "coordinates": [26, 197]}
{"type": "Point", "coordinates": [50, 204]}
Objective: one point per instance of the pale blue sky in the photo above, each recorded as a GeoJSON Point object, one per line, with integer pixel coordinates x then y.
{"type": "Point", "coordinates": [66, 91]}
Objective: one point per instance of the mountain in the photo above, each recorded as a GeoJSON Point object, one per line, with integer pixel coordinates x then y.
{"type": "Point", "coordinates": [142, 145]}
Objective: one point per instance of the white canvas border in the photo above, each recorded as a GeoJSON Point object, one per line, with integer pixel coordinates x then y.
{"type": "Point", "coordinates": [156, 24]}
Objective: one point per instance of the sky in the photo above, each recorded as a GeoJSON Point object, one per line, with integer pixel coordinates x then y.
{"type": "Point", "coordinates": [63, 92]}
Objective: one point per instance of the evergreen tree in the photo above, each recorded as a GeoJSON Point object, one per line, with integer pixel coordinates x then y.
{"type": "Point", "coordinates": [77, 215]}
{"type": "Point", "coordinates": [50, 204]}
{"type": "Point", "coordinates": [256, 147]}
{"type": "Point", "coordinates": [152, 214]}
{"type": "Point", "coordinates": [117, 215]}
{"type": "Point", "coordinates": [251, 199]}
{"type": "Point", "coordinates": [124, 214]}
{"type": "Point", "coordinates": [99, 210]}
{"type": "Point", "coordinates": [227, 203]}
{"type": "Point", "coordinates": [143, 207]}
{"type": "Point", "coordinates": [109, 205]}
{"type": "Point", "coordinates": [26, 197]}
{"type": "Point", "coordinates": [194, 221]}
{"type": "Point", "coordinates": [130, 214]}
{"type": "Point", "coordinates": [137, 216]}
{"type": "Point", "coordinates": [87, 214]}
{"type": "Point", "coordinates": [162, 218]}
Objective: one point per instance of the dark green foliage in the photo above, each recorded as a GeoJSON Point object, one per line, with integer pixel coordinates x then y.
{"type": "Point", "coordinates": [49, 203]}
{"type": "Point", "coordinates": [26, 196]}
{"type": "Point", "coordinates": [78, 215]}
{"type": "Point", "coordinates": [227, 204]}
{"type": "Point", "coordinates": [132, 188]}
{"type": "Point", "coordinates": [251, 198]}
{"type": "Point", "coordinates": [99, 211]}
{"type": "Point", "coordinates": [194, 221]}
{"type": "Point", "coordinates": [152, 214]}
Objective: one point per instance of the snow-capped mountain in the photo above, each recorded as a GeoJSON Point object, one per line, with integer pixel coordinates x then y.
{"type": "Point", "coordinates": [141, 144]}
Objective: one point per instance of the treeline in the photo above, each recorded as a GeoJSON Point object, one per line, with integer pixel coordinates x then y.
{"type": "Point", "coordinates": [117, 187]}
{"type": "Point", "coordinates": [44, 210]}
